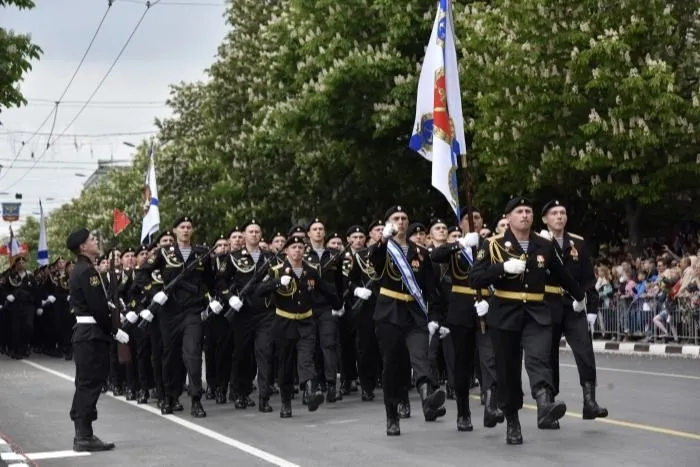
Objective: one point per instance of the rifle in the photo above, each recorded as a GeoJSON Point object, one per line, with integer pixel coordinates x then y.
{"type": "Point", "coordinates": [230, 313]}
{"type": "Point", "coordinates": [123, 350]}
{"type": "Point", "coordinates": [154, 307]}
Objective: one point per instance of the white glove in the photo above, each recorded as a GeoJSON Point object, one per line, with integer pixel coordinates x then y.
{"type": "Point", "coordinates": [482, 307]}
{"type": "Point", "coordinates": [285, 280]}
{"type": "Point", "coordinates": [443, 332]}
{"type": "Point", "coordinates": [39, 311]}
{"type": "Point", "coordinates": [579, 306]}
{"type": "Point", "coordinates": [215, 306]}
{"type": "Point", "coordinates": [338, 313]}
{"type": "Point", "coordinates": [363, 293]}
{"type": "Point", "coordinates": [432, 327]}
{"type": "Point", "coordinates": [111, 306]}
{"type": "Point", "coordinates": [514, 266]}
{"type": "Point", "coordinates": [545, 233]}
{"type": "Point", "coordinates": [68, 298]}
{"type": "Point", "coordinates": [132, 317]}
{"type": "Point", "coordinates": [389, 230]}
{"type": "Point", "coordinates": [469, 240]}
{"type": "Point", "coordinates": [51, 299]}
{"type": "Point", "coordinates": [591, 318]}
{"type": "Point", "coordinates": [235, 303]}
{"type": "Point", "coordinates": [122, 318]}
{"type": "Point", "coordinates": [121, 337]}
{"type": "Point", "coordinates": [147, 315]}
{"type": "Point", "coordinates": [160, 298]}
{"type": "Point", "coordinates": [10, 298]}
{"type": "Point", "coordinates": [44, 302]}
{"type": "Point", "coordinates": [205, 314]}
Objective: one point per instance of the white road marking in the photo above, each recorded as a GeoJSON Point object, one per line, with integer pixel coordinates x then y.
{"type": "Point", "coordinates": [341, 422]}
{"type": "Point", "coordinates": [247, 448]}
{"type": "Point", "coordinates": [639, 372]}
{"type": "Point", "coordinates": [40, 456]}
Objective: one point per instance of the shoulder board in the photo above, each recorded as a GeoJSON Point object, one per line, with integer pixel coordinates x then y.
{"type": "Point", "coordinates": [495, 237]}
{"type": "Point", "coordinates": [577, 237]}
{"type": "Point", "coordinates": [277, 266]}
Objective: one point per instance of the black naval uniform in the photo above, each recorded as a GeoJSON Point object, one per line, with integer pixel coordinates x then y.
{"type": "Point", "coordinates": [519, 319]}
{"type": "Point", "coordinates": [180, 319]}
{"type": "Point", "coordinates": [573, 325]}
{"type": "Point", "coordinates": [401, 328]}
{"type": "Point", "coordinates": [295, 328]}
{"type": "Point", "coordinates": [252, 328]}
{"type": "Point", "coordinates": [22, 301]}
{"type": "Point", "coordinates": [467, 337]}
{"type": "Point", "coordinates": [92, 336]}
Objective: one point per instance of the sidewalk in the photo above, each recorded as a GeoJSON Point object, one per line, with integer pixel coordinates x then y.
{"type": "Point", "coordinates": [635, 348]}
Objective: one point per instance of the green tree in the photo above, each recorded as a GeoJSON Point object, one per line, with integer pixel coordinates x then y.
{"type": "Point", "coordinates": [599, 96]}
{"type": "Point", "coordinates": [16, 53]}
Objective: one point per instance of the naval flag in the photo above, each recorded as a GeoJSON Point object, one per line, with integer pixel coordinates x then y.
{"type": "Point", "coordinates": [151, 210]}
{"type": "Point", "coordinates": [42, 253]}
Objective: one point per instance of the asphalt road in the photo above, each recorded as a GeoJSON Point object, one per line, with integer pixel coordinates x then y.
{"type": "Point", "coordinates": [654, 420]}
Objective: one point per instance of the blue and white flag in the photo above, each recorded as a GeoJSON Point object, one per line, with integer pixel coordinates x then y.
{"type": "Point", "coordinates": [42, 254]}
{"type": "Point", "coordinates": [151, 210]}
{"type": "Point", "coordinates": [438, 130]}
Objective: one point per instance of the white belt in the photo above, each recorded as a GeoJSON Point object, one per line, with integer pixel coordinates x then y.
{"type": "Point", "coordinates": [85, 320]}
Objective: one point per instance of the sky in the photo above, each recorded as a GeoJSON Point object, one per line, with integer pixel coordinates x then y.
{"type": "Point", "coordinates": [176, 41]}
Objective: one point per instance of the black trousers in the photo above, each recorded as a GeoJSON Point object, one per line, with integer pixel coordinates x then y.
{"type": "Point", "coordinates": [465, 342]}
{"type": "Point", "coordinates": [575, 328]}
{"type": "Point", "coordinates": [253, 336]}
{"type": "Point", "coordinates": [368, 356]}
{"type": "Point", "coordinates": [91, 370]}
{"type": "Point", "coordinates": [326, 345]}
{"type": "Point", "coordinates": [347, 329]}
{"type": "Point", "coordinates": [142, 345]}
{"type": "Point", "coordinates": [299, 336]}
{"type": "Point", "coordinates": [66, 321]}
{"type": "Point", "coordinates": [535, 341]}
{"type": "Point", "coordinates": [156, 342]}
{"type": "Point", "coordinates": [22, 327]}
{"type": "Point", "coordinates": [395, 342]}
{"type": "Point", "coordinates": [219, 351]}
{"type": "Point", "coordinates": [209, 343]}
{"type": "Point", "coordinates": [182, 343]}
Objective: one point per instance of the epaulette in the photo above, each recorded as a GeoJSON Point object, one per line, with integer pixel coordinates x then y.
{"type": "Point", "coordinates": [577, 237]}
{"type": "Point", "coordinates": [277, 266]}
{"type": "Point", "coordinates": [495, 237]}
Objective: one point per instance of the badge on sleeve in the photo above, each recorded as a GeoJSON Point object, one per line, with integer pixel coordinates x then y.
{"type": "Point", "coordinates": [481, 255]}
{"type": "Point", "coordinates": [94, 281]}
{"type": "Point", "coordinates": [151, 260]}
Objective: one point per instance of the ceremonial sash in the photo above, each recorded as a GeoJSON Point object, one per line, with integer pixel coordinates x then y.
{"type": "Point", "coordinates": [409, 279]}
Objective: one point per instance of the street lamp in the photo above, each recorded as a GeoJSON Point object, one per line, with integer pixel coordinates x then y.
{"type": "Point", "coordinates": [126, 143]}
{"type": "Point", "coordinates": [77, 174]}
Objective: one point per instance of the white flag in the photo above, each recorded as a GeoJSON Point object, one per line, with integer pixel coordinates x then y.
{"type": "Point", "coordinates": [151, 210]}
{"type": "Point", "coordinates": [42, 254]}
{"type": "Point", "coordinates": [438, 131]}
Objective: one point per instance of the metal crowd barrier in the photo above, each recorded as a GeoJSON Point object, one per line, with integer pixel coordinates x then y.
{"type": "Point", "coordinates": [644, 319]}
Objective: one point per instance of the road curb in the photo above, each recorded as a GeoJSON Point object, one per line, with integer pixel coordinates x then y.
{"type": "Point", "coordinates": [633, 348]}
{"type": "Point", "coordinates": [9, 457]}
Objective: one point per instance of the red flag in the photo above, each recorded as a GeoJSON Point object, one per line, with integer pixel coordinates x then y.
{"type": "Point", "coordinates": [121, 220]}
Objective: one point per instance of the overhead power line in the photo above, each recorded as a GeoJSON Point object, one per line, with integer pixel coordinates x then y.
{"type": "Point", "coordinates": [179, 3]}
{"type": "Point", "coordinates": [104, 104]}
{"type": "Point", "coordinates": [54, 111]}
{"type": "Point", "coordinates": [148, 6]}
{"type": "Point", "coordinates": [83, 135]}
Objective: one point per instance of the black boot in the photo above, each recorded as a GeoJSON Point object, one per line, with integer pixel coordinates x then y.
{"type": "Point", "coordinates": [548, 412]}
{"type": "Point", "coordinates": [492, 414]}
{"type": "Point", "coordinates": [464, 416]}
{"type": "Point", "coordinates": [404, 406]}
{"type": "Point", "coordinates": [220, 396]}
{"type": "Point", "coordinates": [167, 408]}
{"type": "Point", "coordinates": [331, 393]}
{"type": "Point", "coordinates": [264, 404]}
{"type": "Point", "coordinates": [86, 441]}
{"type": "Point", "coordinates": [367, 395]}
{"type": "Point", "coordinates": [249, 402]}
{"type": "Point", "coordinates": [313, 395]}
{"type": "Point", "coordinates": [514, 434]}
{"type": "Point", "coordinates": [240, 402]}
{"type": "Point", "coordinates": [177, 405]}
{"type": "Point", "coordinates": [142, 397]}
{"type": "Point", "coordinates": [432, 402]}
{"type": "Point", "coordinates": [392, 420]}
{"type": "Point", "coordinates": [450, 391]}
{"type": "Point", "coordinates": [210, 394]}
{"type": "Point", "coordinates": [286, 409]}
{"type": "Point", "coordinates": [591, 409]}
{"type": "Point", "coordinates": [197, 411]}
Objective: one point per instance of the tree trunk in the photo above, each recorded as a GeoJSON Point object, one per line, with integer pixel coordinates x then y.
{"type": "Point", "coordinates": [633, 214]}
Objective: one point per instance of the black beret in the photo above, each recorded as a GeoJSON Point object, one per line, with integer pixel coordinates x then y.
{"type": "Point", "coordinates": [278, 234]}
{"type": "Point", "coordinates": [435, 222]}
{"type": "Point", "coordinates": [376, 223]}
{"type": "Point", "coordinates": [77, 238]}
{"type": "Point", "coordinates": [234, 230]}
{"type": "Point", "coordinates": [313, 221]}
{"type": "Point", "coordinates": [414, 228]}
{"type": "Point", "coordinates": [250, 222]}
{"type": "Point", "coordinates": [296, 229]}
{"type": "Point", "coordinates": [102, 258]}
{"type": "Point", "coordinates": [152, 246]}
{"type": "Point", "coordinates": [454, 228]}
{"type": "Point", "coordinates": [292, 240]}
{"type": "Point", "coordinates": [393, 210]}
{"type": "Point", "coordinates": [165, 233]}
{"type": "Point", "coordinates": [332, 236]}
{"type": "Point", "coordinates": [516, 202]}
{"type": "Point", "coordinates": [182, 219]}
{"type": "Point", "coordinates": [463, 213]}
{"type": "Point", "coordinates": [129, 250]}
{"type": "Point", "coordinates": [552, 204]}
{"type": "Point", "coordinates": [142, 248]}
{"type": "Point", "coordinates": [355, 229]}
